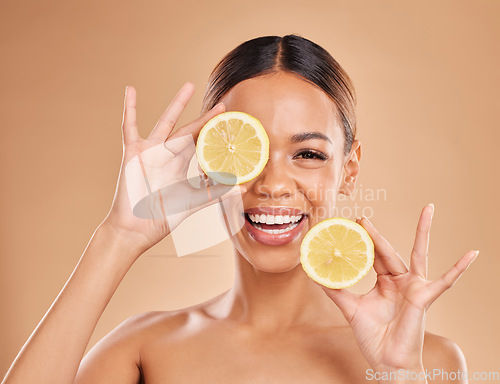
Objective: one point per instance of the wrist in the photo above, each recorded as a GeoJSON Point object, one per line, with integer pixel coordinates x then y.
{"type": "Point", "coordinates": [126, 246]}
{"type": "Point", "coordinates": [398, 375]}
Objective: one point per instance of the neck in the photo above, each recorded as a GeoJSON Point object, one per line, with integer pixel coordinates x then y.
{"type": "Point", "coordinates": [278, 301]}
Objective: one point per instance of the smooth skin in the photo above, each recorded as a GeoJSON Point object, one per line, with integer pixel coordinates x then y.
{"type": "Point", "coordinates": [275, 325]}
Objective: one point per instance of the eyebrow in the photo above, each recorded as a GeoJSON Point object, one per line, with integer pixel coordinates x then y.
{"type": "Point", "coordinates": [304, 136]}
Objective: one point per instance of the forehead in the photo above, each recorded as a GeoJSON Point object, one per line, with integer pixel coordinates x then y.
{"type": "Point", "coordinates": [285, 104]}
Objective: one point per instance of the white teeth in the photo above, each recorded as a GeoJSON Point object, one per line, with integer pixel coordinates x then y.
{"type": "Point", "coordinates": [274, 219]}
{"type": "Point", "coordinates": [276, 231]}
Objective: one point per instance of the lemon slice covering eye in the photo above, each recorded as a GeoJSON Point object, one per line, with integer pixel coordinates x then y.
{"type": "Point", "coordinates": [337, 253]}
{"type": "Point", "coordinates": [232, 148]}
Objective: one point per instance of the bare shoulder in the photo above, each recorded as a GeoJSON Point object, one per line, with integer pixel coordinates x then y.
{"type": "Point", "coordinates": [137, 332]}
{"type": "Point", "coordinates": [443, 354]}
{"type": "Point", "coordinates": [116, 358]}
{"type": "Point", "coordinates": [140, 327]}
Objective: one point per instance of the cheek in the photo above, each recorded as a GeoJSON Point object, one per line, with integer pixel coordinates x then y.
{"type": "Point", "coordinates": [320, 189]}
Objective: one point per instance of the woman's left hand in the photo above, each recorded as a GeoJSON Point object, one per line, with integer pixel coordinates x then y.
{"type": "Point", "coordinates": [389, 321]}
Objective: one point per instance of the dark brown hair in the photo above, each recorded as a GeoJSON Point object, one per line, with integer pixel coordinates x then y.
{"type": "Point", "coordinates": [290, 53]}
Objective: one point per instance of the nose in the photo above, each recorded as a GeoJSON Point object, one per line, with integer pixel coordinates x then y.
{"type": "Point", "coordinates": [274, 182]}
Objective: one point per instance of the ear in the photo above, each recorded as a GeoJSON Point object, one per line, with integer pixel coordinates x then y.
{"type": "Point", "coordinates": [351, 169]}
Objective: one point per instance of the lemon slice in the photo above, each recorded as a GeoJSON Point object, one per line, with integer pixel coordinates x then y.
{"type": "Point", "coordinates": [337, 253]}
{"type": "Point", "coordinates": [232, 148]}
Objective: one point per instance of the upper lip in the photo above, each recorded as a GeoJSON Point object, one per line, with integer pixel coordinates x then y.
{"type": "Point", "coordinates": [275, 211]}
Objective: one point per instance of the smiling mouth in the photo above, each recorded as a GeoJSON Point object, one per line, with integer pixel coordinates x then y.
{"type": "Point", "coordinates": [274, 224]}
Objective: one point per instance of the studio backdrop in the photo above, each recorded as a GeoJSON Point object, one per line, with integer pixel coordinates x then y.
{"type": "Point", "coordinates": [427, 80]}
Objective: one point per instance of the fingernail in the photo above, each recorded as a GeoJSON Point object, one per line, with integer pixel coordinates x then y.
{"type": "Point", "coordinates": [242, 188]}
{"type": "Point", "coordinates": [126, 90]}
{"type": "Point", "coordinates": [216, 105]}
{"type": "Point", "coordinates": [474, 255]}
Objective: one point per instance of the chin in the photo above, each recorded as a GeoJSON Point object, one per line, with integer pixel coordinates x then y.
{"type": "Point", "coordinates": [269, 260]}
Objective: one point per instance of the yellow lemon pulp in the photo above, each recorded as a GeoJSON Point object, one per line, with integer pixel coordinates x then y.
{"type": "Point", "coordinates": [337, 253]}
{"type": "Point", "coordinates": [232, 148]}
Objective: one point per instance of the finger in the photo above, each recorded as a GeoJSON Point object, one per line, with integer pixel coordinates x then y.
{"type": "Point", "coordinates": [181, 145]}
{"type": "Point", "coordinates": [387, 255]}
{"type": "Point", "coordinates": [418, 259]}
{"type": "Point", "coordinates": [169, 118]}
{"type": "Point", "coordinates": [378, 265]}
{"type": "Point", "coordinates": [448, 279]}
{"type": "Point", "coordinates": [195, 126]}
{"type": "Point", "coordinates": [182, 149]}
{"type": "Point", "coordinates": [129, 121]}
{"type": "Point", "coordinates": [344, 299]}
{"type": "Point", "coordinates": [204, 180]}
{"type": "Point", "coordinates": [201, 172]}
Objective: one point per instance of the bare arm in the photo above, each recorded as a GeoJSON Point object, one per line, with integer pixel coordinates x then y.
{"type": "Point", "coordinates": [54, 350]}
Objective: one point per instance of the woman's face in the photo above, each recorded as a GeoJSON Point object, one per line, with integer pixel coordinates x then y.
{"type": "Point", "coordinates": [305, 172]}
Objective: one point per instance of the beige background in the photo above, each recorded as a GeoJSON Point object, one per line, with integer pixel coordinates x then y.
{"type": "Point", "coordinates": [426, 75]}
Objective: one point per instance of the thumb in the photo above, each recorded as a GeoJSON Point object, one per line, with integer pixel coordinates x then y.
{"type": "Point", "coordinates": [205, 197]}
{"type": "Point", "coordinates": [345, 300]}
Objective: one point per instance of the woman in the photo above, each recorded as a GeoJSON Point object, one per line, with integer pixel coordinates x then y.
{"type": "Point", "coordinates": [275, 325]}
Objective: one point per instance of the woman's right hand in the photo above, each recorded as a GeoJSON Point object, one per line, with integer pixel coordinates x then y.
{"type": "Point", "coordinates": [149, 168]}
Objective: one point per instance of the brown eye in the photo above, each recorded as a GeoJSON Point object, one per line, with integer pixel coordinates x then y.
{"type": "Point", "coordinates": [311, 155]}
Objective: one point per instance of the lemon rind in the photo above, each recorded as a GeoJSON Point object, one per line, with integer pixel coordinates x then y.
{"type": "Point", "coordinates": [261, 132]}
{"type": "Point", "coordinates": [314, 231]}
